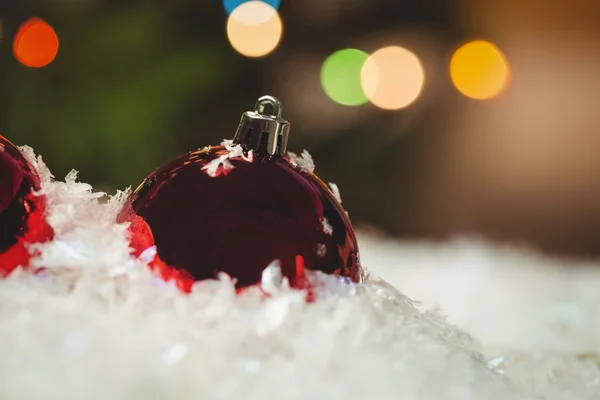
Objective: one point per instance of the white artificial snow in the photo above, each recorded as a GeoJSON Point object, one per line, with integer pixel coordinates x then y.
{"type": "Point", "coordinates": [304, 160]}
{"type": "Point", "coordinates": [212, 167]}
{"type": "Point", "coordinates": [222, 162]}
{"type": "Point", "coordinates": [321, 250]}
{"type": "Point", "coordinates": [98, 324]}
{"type": "Point", "coordinates": [335, 191]}
{"type": "Point", "coordinates": [326, 227]}
{"type": "Point", "coordinates": [237, 152]}
{"type": "Point", "coordinates": [272, 279]}
{"type": "Point", "coordinates": [507, 297]}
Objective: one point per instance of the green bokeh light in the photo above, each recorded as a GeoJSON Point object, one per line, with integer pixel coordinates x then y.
{"type": "Point", "coordinates": [340, 77]}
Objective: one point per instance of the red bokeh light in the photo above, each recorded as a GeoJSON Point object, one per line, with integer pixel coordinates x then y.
{"type": "Point", "coordinates": [35, 44]}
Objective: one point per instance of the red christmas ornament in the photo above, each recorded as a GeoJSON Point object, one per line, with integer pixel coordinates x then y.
{"type": "Point", "coordinates": [238, 207]}
{"type": "Point", "coordinates": [142, 242]}
{"type": "Point", "coordinates": [22, 213]}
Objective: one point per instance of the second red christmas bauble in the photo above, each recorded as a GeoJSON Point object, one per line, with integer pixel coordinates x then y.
{"type": "Point", "coordinates": [238, 207]}
{"type": "Point", "coordinates": [22, 212]}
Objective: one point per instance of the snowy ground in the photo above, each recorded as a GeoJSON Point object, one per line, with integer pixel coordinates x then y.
{"type": "Point", "coordinates": [98, 325]}
{"type": "Point", "coordinates": [507, 297]}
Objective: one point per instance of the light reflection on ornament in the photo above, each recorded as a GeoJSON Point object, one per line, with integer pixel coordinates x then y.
{"type": "Point", "coordinates": [254, 29]}
{"type": "Point", "coordinates": [392, 78]}
{"type": "Point", "coordinates": [299, 265]}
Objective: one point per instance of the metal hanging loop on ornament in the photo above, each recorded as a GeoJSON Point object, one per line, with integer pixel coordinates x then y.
{"type": "Point", "coordinates": [266, 103]}
{"type": "Point", "coordinates": [264, 129]}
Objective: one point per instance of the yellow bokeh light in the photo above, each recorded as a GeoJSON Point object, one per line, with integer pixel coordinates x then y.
{"type": "Point", "coordinates": [479, 70]}
{"type": "Point", "coordinates": [392, 78]}
{"type": "Point", "coordinates": [254, 29]}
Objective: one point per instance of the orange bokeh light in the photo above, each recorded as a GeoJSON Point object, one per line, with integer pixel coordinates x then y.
{"type": "Point", "coordinates": [479, 70]}
{"type": "Point", "coordinates": [35, 44]}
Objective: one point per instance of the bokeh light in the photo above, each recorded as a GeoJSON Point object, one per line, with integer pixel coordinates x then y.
{"type": "Point", "coordinates": [231, 5]}
{"type": "Point", "coordinates": [479, 70]}
{"type": "Point", "coordinates": [392, 78]}
{"type": "Point", "coordinates": [254, 29]}
{"type": "Point", "coordinates": [340, 77]}
{"type": "Point", "coordinates": [35, 44]}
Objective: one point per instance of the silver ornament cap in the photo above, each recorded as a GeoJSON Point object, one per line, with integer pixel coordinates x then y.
{"type": "Point", "coordinates": [264, 129]}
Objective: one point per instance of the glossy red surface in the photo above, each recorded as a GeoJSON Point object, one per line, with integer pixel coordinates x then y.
{"type": "Point", "coordinates": [242, 218]}
{"type": "Point", "coordinates": [16, 181]}
{"type": "Point", "coordinates": [22, 213]}
{"type": "Point", "coordinates": [141, 239]}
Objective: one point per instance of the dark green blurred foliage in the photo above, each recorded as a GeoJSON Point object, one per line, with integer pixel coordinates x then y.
{"type": "Point", "coordinates": [112, 102]}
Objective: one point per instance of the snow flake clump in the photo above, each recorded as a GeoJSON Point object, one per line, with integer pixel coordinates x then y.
{"type": "Point", "coordinates": [321, 250]}
{"type": "Point", "coordinates": [326, 226]}
{"type": "Point", "coordinates": [335, 191]}
{"type": "Point", "coordinates": [221, 163]}
{"type": "Point", "coordinates": [304, 161]}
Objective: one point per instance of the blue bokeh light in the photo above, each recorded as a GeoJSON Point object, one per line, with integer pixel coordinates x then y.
{"type": "Point", "coordinates": [231, 5]}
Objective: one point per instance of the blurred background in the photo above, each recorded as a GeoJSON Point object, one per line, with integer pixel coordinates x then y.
{"type": "Point", "coordinates": [435, 118]}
